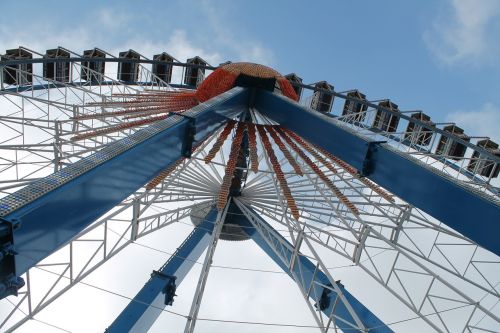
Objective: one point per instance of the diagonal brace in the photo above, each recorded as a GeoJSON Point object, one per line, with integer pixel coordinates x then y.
{"type": "Point", "coordinates": [147, 305]}
{"type": "Point", "coordinates": [330, 297]}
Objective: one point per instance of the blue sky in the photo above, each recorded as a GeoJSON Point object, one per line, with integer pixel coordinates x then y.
{"type": "Point", "coordinates": [439, 56]}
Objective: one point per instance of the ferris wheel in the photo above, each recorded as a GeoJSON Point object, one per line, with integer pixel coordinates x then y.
{"type": "Point", "coordinates": [99, 152]}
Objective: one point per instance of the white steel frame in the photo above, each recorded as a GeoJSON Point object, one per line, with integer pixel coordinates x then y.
{"type": "Point", "coordinates": [384, 241]}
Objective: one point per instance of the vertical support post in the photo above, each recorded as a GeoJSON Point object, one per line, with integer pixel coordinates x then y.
{"type": "Point", "coordinates": [102, 180]}
{"type": "Point", "coordinates": [148, 304]}
{"type": "Point", "coordinates": [57, 146]}
{"type": "Point", "coordinates": [136, 210]}
{"type": "Point", "coordinates": [330, 296]}
{"type": "Point", "coordinates": [76, 113]}
{"type": "Point", "coordinates": [200, 288]}
{"type": "Point", "coordinates": [1, 76]}
{"type": "Point", "coordinates": [402, 218]}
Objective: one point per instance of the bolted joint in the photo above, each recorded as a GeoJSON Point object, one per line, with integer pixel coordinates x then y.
{"type": "Point", "coordinates": [358, 249]}
{"type": "Point", "coordinates": [9, 281]}
{"type": "Point", "coordinates": [7, 249]}
{"type": "Point", "coordinates": [169, 288]}
{"type": "Point", "coordinates": [10, 285]}
{"type": "Point", "coordinates": [369, 162]}
{"type": "Point", "coordinates": [189, 135]}
{"type": "Point", "coordinates": [325, 298]}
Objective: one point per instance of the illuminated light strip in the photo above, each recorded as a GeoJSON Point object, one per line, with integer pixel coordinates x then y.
{"type": "Point", "coordinates": [169, 106]}
{"type": "Point", "coordinates": [146, 114]}
{"type": "Point", "coordinates": [136, 101]}
{"type": "Point", "coordinates": [377, 189]}
{"type": "Point", "coordinates": [320, 173]}
{"type": "Point", "coordinates": [252, 145]}
{"type": "Point", "coordinates": [279, 173]}
{"type": "Point", "coordinates": [151, 110]}
{"type": "Point", "coordinates": [215, 84]}
{"type": "Point", "coordinates": [164, 174]}
{"type": "Point", "coordinates": [118, 128]}
{"type": "Point", "coordinates": [140, 106]}
{"type": "Point", "coordinates": [167, 171]}
{"type": "Point", "coordinates": [220, 140]}
{"type": "Point", "coordinates": [149, 92]}
{"type": "Point", "coordinates": [230, 167]}
{"type": "Point", "coordinates": [287, 89]}
{"type": "Point", "coordinates": [284, 150]}
{"type": "Point", "coordinates": [178, 109]}
{"type": "Point", "coordinates": [175, 101]}
{"type": "Point", "coordinates": [311, 150]}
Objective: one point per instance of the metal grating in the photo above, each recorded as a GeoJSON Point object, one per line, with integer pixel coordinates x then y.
{"type": "Point", "coordinates": [41, 187]}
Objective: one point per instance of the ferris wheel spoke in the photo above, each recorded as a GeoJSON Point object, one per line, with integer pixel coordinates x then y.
{"type": "Point", "coordinates": [398, 271]}
{"type": "Point", "coordinates": [367, 238]}
{"type": "Point", "coordinates": [189, 185]}
{"type": "Point", "coordinates": [308, 213]}
{"type": "Point", "coordinates": [404, 226]}
{"type": "Point", "coordinates": [194, 180]}
{"type": "Point", "coordinates": [465, 265]}
{"type": "Point", "coordinates": [256, 181]}
{"type": "Point", "coordinates": [175, 170]}
{"type": "Point", "coordinates": [319, 203]}
{"type": "Point", "coordinates": [198, 295]}
{"type": "Point", "coordinates": [202, 173]}
{"type": "Point", "coordinates": [331, 240]}
{"type": "Point", "coordinates": [214, 178]}
{"type": "Point", "coordinates": [327, 296]}
{"type": "Point", "coordinates": [176, 198]}
{"type": "Point", "coordinates": [40, 104]}
{"type": "Point", "coordinates": [410, 296]}
{"type": "Point", "coordinates": [108, 237]}
{"type": "Point", "coordinates": [263, 187]}
{"type": "Point", "coordinates": [281, 202]}
{"type": "Point", "coordinates": [350, 191]}
{"type": "Point", "coordinates": [431, 260]}
{"type": "Point", "coordinates": [273, 206]}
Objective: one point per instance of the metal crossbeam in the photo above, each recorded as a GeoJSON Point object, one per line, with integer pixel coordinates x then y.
{"type": "Point", "coordinates": [330, 297]}
{"type": "Point", "coordinates": [368, 234]}
{"type": "Point", "coordinates": [101, 181]}
{"type": "Point", "coordinates": [202, 281]}
{"type": "Point", "coordinates": [148, 304]}
{"type": "Point", "coordinates": [401, 174]}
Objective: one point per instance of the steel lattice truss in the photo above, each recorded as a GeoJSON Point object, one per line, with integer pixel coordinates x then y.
{"type": "Point", "coordinates": [320, 204]}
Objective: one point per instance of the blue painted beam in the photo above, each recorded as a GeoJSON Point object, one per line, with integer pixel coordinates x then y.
{"type": "Point", "coordinates": [316, 127]}
{"type": "Point", "coordinates": [147, 305]}
{"type": "Point", "coordinates": [471, 213]}
{"type": "Point", "coordinates": [48, 213]}
{"type": "Point", "coordinates": [308, 273]}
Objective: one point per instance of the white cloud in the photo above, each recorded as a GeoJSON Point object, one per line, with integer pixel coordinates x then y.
{"type": "Point", "coordinates": [111, 24]}
{"type": "Point", "coordinates": [39, 37]}
{"type": "Point", "coordinates": [462, 34]}
{"type": "Point", "coordinates": [178, 45]}
{"type": "Point", "coordinates": [482, 122]}
{"type": "Point", "coordinates": [184, 48]}
{"type": "Point", "coordinates": [112, 18]}
{"type": "Point", "coordinates": [242, 50]}
{"type": "Point", "coordinates": [256, 53]}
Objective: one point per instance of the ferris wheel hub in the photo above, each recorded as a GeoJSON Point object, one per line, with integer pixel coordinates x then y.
{"type": "Point", "coordinates": [231, 229]}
